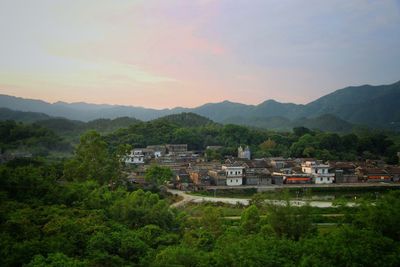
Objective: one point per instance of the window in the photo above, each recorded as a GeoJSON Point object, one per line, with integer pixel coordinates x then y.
{"type": "Point", "coordinates": [236, 180]}
{"type": "Point", "coordinates": [231, 180]}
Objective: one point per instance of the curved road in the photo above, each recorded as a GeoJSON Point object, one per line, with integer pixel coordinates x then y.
{"type": "Point", "coordinates": [244, 201]}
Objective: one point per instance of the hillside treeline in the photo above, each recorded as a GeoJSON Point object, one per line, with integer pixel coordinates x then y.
{"type": "Point", "coordinates": [56, 135]}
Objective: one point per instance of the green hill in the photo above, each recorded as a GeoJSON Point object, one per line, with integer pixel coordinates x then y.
{"type": "Point", "coordinates": [110, 125]}
{"type": "Point", "coordinates": [377, 106]}
{"type": "Point", "coordinates": [327, 122]}
{"type": "Point", "coordinates": [186, 120]}
{"type": "Point", "coordinates": [21, 116]}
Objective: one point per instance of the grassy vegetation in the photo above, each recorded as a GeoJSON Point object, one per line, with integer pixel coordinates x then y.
{"type": "Point", "coordinates": [197, 210]}
{"type": "Point", "coordinates": [325, 218]}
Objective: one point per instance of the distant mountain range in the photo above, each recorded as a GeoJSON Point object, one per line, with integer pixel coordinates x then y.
{"type": "Point", "coordinates": [374, 106]}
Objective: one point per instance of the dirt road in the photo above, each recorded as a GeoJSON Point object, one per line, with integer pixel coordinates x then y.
{"type": "Point", "coordinates": [187, 198]}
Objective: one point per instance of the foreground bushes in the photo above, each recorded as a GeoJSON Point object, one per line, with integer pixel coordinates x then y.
{"type": "Point", "coordinates": [84, 223]}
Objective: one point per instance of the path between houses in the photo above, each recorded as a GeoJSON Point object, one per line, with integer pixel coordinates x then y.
{"type": "Point", "coordinates": [186, 198]}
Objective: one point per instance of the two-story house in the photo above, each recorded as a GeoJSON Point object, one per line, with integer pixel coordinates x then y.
{"type": "Point", "coordinates": [234, 174]}
{"type": "Point", "coordinates": [318, 171]}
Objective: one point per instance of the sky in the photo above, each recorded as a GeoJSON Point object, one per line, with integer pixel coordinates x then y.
{"type": "Point", "coordinates": [163, 54]}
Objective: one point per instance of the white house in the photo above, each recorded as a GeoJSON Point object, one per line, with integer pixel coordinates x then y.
{"type": "Point", "coordinates": [319, 172]}
{"type": "Point", "coordinates": [157, 150]}
{"type": "Point", "coordinates": [136, 156]}
{"type": "Point", "coordinates": [234, 175]}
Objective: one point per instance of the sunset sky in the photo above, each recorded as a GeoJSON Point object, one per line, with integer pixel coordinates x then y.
{"type": "Point", "coordinates": [186, 53]}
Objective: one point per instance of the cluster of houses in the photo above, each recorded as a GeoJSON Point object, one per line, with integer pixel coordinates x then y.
{"type": "Point", "coordinates": [192, 170]}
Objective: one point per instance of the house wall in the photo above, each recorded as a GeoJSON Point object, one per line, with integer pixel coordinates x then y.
{"type": "Point", "coordinates": [234, 181]}
{"type": "Point", "coordinates": [220, 181]}
{"type": "Point", "coordinates": [379, 178]}
{"type": "Point", "coordinates": [323, 180]}
{"type": "Point", "coordinates": [134, 160]}
{"type": "Point", "coordinates": [277, 180]}
{"type": "Point", "coordinates": [252, 180]}
{"type": "Point", "coordinates": [234, 171]}
{"type": "Point", "coordinates": [345, 178]}
{"type": "Point", "coordinates": [396, 178]}
{"type": "Point", "coordinates": [265, 181]}
{"type": "Point", "coordinates": [301, 180]}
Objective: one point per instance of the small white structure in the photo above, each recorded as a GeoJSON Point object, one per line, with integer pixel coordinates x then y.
{"type": "Point", "coordinates": [244, 153]}
{"type": "Point", "coordinates": [135, 157]}
{"type": "Point", "coordinates": [157, 150]}
{"type": "Point", "coordinates": [319, 172]}
{"type": "Point", "coordinates": [157, 154]}
{"type": "Point", "coordinates": [234, 175]}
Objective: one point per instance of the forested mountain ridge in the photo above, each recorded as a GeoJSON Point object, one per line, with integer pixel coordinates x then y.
{"type": "Point", "coordinates": [375, 106]}
{"type": "Point", "coordinates": [82, 111]}
{"type": "Point", "coordinates": [326, 122]}
{"type": "Point", "coordinates": [185, 119]}
{"type": "Point", "coordinates": [21, 116]}
{"type": "Point", "coordinates": [62, 126]}
{"type": "Point", "coordinates": [372, 105]}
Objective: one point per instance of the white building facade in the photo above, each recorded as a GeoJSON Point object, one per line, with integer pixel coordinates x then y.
{"type": "Point", "coordinates": [244, 153]}
{"type": "Point", "coordinates": [234, 175]}
{"type": "Point", "coordinates": [136, 156]}
{"type": "Point", "coordinates": [319, 172]}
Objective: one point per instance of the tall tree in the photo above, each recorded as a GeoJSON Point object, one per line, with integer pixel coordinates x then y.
{"type": "Point", "coordinates": [92, 161]}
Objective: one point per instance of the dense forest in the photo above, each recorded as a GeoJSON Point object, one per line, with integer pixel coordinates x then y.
{"type": "Point", "coordinates": [81, 212]}
{"type": "Point", "coordinates": [30, 138]}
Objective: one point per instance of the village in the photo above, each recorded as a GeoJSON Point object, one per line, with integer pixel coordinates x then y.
{"type": "Point", "coordinates": [193, 171]}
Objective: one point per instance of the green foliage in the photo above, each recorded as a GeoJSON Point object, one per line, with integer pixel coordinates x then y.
{"type": "Point", "coordinates": [300, 131]}
{"type": "Point", "coordinates": [86, 224]}
{"type": "Point", "coordinates": [212, 154]}
{"type": "Point", "coordinates": [159, 175]}
{"type": "Point", "coordinates": [212, 221]}
{"type": "Point", "coordinates": [56, 260]}
{"type": "Point", "coordinates": [250, 220]}
{"type": "Point", "coordinates": [349, 246]}
{"type": "Point", "coordinates": [65, 127]}
{"type": "Point", "coordinates": [30, 180]}
{"type": "Point", "coordinates": [290, 222]}
{"type": "Point", "coordinates": [255, 250]}
{"type": "Point", "coordinates": [21, 116]}
{"type": "Point", "coordinates": [382, 217]}
{"type": "Point", "coordinates": [141, 208]}
{"type": "Point", "coordinates": [93, 161]}
{"type": "Point", "coordinates": [31, 139]}
{"type": "Point", "coordinates": [186, 120]}
{"type": "Point", "coordinates": [179, 256]}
